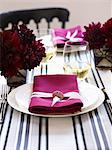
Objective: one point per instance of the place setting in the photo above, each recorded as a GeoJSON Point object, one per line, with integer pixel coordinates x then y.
{"type": "Point", "coordinates": [62, 93]}
{"type": "Point", "coordinates": [45, 97]}
{"type": "Point", "coordinates": [55, 73]}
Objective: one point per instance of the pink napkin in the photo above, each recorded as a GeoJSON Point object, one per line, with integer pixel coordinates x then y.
{"type": "Point", "coordinates": [60, 36]}
{"type": "Point", "coordinates": [50, 83]}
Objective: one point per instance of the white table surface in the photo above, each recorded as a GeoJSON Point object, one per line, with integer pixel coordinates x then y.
{"type": "Point", "coordinates": [90, 131]}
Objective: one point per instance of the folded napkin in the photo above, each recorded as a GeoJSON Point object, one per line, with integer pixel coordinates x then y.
{"type": "Point", "coordinates": [46, 85]}
{"type": "Point", "coordinates": [73, 35]}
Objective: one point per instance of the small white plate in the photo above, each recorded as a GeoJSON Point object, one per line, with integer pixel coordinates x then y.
{"type": "Point", "coordinates": [93, 97]}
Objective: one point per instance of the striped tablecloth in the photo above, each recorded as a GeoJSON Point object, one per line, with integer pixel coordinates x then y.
{"type": "Point", "coordinates": [90, 131]}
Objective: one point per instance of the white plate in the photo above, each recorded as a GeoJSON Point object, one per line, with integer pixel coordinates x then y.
{"type": "Point", "coordinates": [23, 94]}
{"type": "Point", "coordinates": [92, 98]}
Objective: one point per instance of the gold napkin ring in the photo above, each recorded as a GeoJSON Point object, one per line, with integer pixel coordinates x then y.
{"type": "Point", "coordinates": [58, 94]}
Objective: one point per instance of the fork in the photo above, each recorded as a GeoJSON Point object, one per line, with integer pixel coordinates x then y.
{"type": "Point", "coordinates": [3, 101]}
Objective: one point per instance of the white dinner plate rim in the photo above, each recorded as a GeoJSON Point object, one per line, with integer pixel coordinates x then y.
{"type": "Point", "coordinates": [12, 102]}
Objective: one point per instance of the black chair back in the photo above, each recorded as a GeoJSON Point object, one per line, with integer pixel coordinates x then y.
{"type": "Point", "coordinates": [25, 16]}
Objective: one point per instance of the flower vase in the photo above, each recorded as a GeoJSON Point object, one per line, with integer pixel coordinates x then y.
{"type": "Point", "coordinates": [18, 79]}
{"type": "Point", "coordinates": [103, 58]}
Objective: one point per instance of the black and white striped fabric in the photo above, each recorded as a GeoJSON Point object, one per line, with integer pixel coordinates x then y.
{"type": "Point", "coordinates": [90, 131]}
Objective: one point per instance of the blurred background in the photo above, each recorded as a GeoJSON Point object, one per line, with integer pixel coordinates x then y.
{"type": "Point", "coordinates": [82, 12]}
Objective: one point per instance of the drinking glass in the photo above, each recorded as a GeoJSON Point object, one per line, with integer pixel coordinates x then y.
{"type": "Point", "coordinates": [76, 60]}
{"type": "Point", "coordinates": [46, 35]}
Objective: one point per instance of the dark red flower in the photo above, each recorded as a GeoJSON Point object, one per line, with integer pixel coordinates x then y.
{"type": "Point", "coordinates": [107, 29]}
{"type": "Point", "coordinates": [99, 36]}
{"type": "Point", "coordinates": [94, 35]}
{"type": "Point", "coordinates": [16, 40]}
{"type": "Point", "coordinates": [19, 50]}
